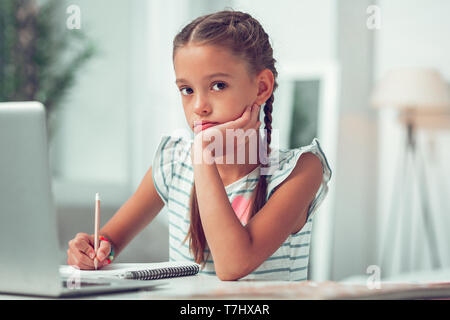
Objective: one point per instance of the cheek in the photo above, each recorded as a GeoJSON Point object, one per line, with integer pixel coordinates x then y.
{"type": "Point", "coordinates": [235, 107]}
{"type": "Point", "coordinates": [188, 106]}
{"type": "Point", "coordinates": [187, 114]}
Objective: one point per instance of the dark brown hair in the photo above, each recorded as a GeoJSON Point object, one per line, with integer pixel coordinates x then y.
{"type": "Point", "coordinates": [245, 38]}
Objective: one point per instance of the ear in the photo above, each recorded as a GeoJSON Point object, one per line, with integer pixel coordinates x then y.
{"type": "Point", "coordinates": [264, 81]}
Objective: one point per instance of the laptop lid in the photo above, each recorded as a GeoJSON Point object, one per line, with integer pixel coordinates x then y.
{"type": "Point", "coordinates": [29, 250]}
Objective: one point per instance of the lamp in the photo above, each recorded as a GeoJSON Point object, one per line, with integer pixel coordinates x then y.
{"type": "Point", "coordinates": [422, 99]}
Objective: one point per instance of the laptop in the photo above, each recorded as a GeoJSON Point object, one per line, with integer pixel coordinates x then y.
{"type": "Point", "coordinates": [29, 247]}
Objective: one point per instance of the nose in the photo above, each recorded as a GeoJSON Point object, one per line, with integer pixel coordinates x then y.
{"type": "Point", "coordinates": [202, 106]}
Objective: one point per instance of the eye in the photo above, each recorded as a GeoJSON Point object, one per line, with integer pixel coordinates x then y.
{"type": "Point", "coordinates": [221, 85]}
{"type": "Point", "coordinates": [182, 90]}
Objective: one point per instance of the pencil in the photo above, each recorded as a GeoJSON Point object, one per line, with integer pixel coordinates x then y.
{"type": "Point", "coordinates": [97, 224]}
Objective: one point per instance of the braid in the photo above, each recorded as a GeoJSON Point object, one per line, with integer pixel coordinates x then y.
{"type": "Point", "coordinates": [261, 188]}
{"type": "Point", "coordinates": [268, 121]}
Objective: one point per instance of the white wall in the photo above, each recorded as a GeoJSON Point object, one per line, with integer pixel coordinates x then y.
{"type": "Point", "coordinates": [355, 169]}
{"type": "Point", "coordinates": [94, 130]}
{"type": "Point", "coordinates": [414, 33]}
{"type": "Point", "coordinates": [299, 30]}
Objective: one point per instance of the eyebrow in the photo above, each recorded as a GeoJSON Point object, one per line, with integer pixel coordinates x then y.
{"type": "Point", "coordinates": [217, 74]}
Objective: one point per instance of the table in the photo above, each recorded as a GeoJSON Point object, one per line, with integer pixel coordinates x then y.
{"type": "Point", "coordinates": [203, 287]}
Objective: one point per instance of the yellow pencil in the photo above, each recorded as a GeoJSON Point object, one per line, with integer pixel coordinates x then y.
{"type": "Point", "coordinates": [97, 225]}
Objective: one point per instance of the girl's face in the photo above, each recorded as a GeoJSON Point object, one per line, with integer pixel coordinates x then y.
{"type": "Point", "coordinates": [214, 85]}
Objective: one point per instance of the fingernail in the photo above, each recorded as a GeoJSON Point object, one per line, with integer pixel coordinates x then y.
{"type": "Point", "coordinates": [101, 256]}
{"type": "Point", "coordinates": [92, 255]}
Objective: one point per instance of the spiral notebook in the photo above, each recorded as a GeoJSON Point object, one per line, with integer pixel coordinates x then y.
{"type": "Point", "coordinates": [135, 271]}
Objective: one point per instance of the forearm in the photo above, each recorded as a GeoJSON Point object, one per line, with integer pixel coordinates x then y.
{"type": "Point", "coordinates": [119, 237]}
{"type": "Point", "coordinates": [227, 239]}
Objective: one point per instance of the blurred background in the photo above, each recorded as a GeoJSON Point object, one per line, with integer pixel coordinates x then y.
{"type": "Point", "coordinates": [104, 72]}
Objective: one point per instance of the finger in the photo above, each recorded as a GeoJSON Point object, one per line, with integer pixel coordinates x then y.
{"type": "Point", "coordinates": [250, 110]}
{"type": "Point", "coordinates": [82, 244]}
{"type": "Point", "coordinates": [253, 118]}
{"type": "Point", "coordinates": [104, 263]}
{"type": "Point", "coordinates": [71, 262]}
{"type": "Point", "coordinates": [85, 261]}
{"type": "Point", "coordinates": [83, 247]}
{"type": "Point", "coordinates": [255, 114]}
{"type": "Point", "coordinates": [80, 260]}
{"type": "Point", "coordinates": [245, 117]}
{"type": "Point", "coordinates": [257, 109]}
{"type": "Point", "coordinates": [85, 266]}
{"type": "Point", "coordinates": [103, 251]}
{"type": "Point", "coordinates": [239, 123]}
{"type": "Point", "coordinates": [87, 237]}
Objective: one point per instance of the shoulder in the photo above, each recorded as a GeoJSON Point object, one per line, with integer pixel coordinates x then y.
{"type": "Point", "coordinates": [289, 163]}
{"type": "Point", "coordinates": [302, 181]}
{"type": "Point", "coordinates": [293, 196]}
{"type": "Point", "coordinates": [302, 176]}
{"type": "Point", "coordinates": [174, 143]}
{"type": "Point", "coordinates": [171, 153]}
{"type": "Point", "coordinates": [172, 149]}
{"type": "Point", "coordinates": [308, 166]}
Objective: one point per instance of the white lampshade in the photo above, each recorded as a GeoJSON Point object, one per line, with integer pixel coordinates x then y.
{"type": "Point", "coordinates": [421, 90]}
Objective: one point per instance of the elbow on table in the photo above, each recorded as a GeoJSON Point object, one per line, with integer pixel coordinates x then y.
{"type": "Point", "coordinates": [232, 273]}
{"type": "Point", "coordinates": [228, 276]}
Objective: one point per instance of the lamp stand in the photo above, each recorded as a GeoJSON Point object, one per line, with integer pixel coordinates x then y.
{"type": "Point", "coordinates": [406, 180]}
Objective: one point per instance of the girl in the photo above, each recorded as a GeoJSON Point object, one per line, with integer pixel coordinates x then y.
{"type": "Point", "coordinates": [249, 220]}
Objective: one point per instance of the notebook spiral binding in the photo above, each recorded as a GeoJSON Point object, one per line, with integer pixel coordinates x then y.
{"type": "Point", "coordinates": [160, 273]}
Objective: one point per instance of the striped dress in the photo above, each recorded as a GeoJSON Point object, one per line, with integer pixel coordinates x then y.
{"type": "Point", "coordinates": [173, 177]}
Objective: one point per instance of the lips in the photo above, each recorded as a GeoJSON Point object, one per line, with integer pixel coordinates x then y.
{"type": "Point", "coordinates": [203, 125]}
